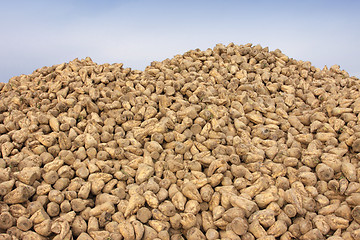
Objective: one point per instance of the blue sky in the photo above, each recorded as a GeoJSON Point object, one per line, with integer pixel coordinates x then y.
{"type": "Point", "coordinates": [41, 33]}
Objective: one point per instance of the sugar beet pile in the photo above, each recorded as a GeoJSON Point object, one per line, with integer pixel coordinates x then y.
{"type": "Point", "coordinates": [234, 142]}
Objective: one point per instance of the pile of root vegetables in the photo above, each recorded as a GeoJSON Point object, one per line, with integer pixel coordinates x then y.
{"type": "Point", "coordinates": [235, 142]}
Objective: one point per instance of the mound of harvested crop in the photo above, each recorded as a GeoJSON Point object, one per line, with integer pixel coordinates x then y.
{"type": "Point", "coordinates": [233, 142]}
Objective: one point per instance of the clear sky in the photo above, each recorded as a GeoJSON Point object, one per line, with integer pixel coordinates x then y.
{"type": "Point", "coordinates": [41, 33]}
